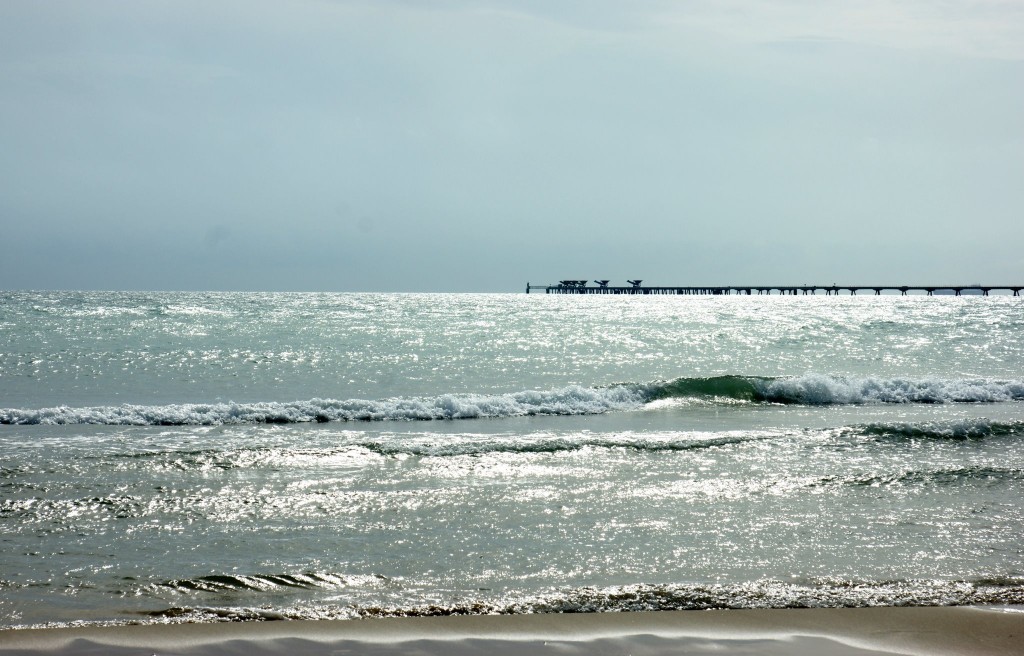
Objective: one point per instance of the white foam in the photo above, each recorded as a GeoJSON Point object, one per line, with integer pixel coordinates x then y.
{"type": "Point", "coordinates": [814, 389]}
{"type": "Point", "coordinates": [819, 389]}
{"type": "Point", "coordinates": [966, 428]}
{"type": "Point", "coordinates": [573, 400]}
{"type": "Point", "coordinates": [545, 443]}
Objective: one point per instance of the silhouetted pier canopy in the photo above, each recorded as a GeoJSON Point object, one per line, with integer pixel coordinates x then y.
{"type": "Point", "coordinates": [635, 283]}
{"type": "Point", "coordinates": [602, 283]}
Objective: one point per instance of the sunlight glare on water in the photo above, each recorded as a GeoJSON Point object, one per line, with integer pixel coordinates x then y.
{"type": "Point", "coordinates": [195, 457]}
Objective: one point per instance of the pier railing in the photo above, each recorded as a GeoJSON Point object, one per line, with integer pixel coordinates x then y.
{"type": "Point", "coordinates": [581, 287]}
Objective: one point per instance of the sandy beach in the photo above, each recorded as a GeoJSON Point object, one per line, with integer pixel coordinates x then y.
{"type": "Point", "coordinates": [923, 631]}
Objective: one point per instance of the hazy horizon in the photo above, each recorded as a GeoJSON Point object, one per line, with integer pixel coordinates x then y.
{"type": "Point", "coordinates": [391, 146]}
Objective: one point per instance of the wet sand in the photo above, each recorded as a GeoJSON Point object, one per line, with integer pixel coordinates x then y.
{"type": "Point", "coordinates": [924, 631]}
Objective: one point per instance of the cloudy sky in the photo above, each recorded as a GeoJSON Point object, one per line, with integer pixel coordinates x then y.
{"type": "Point", "coordinates": [475, 146]}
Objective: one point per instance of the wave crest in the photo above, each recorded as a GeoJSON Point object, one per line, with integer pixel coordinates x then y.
{"type": "Point", "coordinates": [573, 400]}
{"type": "Point", "coordinates": [957, 429]}
{"type": "Point", "coordinates": [809, 389]}
{"type": "Point", "coordinates": [817, 389]}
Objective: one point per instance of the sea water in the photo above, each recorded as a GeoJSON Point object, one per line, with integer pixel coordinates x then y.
{"type": "Point", "coordinates": [198, 457]}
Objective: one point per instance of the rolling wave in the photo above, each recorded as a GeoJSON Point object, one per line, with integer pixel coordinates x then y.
{"type": "Point", "coordinates": [930, 477]}
{"type": "Point", "coordinates": [770, 593]}
{"type": "Point", "coordinates": [809, 389]}
{"type": "Point", "coordinates": [821, 389]}
{"type": "Point", "coordinates": [559, 444]}
{"type": "Point", "coordinates": [765, 593]}
{"type": "Point", "coordinates": [227, 583]}
{"type": "Point", "coordinates": [573, 400]}
{"type": "Point", "coordinates": [358, 452]}
{"type": "Point", "coordinates": [956, 429]}
{"type": "Point", "coordinates": [816, 389]}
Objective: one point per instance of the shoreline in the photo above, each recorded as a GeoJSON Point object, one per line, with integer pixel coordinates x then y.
{"type": "Point", "coordinates": [852, 631]}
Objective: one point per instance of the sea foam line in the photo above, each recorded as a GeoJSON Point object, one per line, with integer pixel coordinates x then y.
{"type": "Point", "coordinates": [809, 389]}
{"type": "Point", "coordinates": [573, 400]}
{"type": "Point", "coordinates": [817, 389]}
{"type": "Point", "coordinates": [764, 593]}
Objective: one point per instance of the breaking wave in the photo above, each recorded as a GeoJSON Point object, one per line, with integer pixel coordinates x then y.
{"type": "Point", "coordinates": [816, 389]}
{"type": "Point", "coordinates": [525, 444]}
{"type": "Point", "coordinates": [956, 429]}
{"type": "Point", "coordinates": [228, 583]}
{"type": "Point", "coordinates": [765, 593]}
{"type": "Point", "coordinates": [809, 389]}
{"type": "Point", "coordinates": [573, 400]}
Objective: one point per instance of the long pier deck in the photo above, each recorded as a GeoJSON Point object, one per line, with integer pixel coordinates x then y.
{"type": "Point", "coordinates": [581, 287]}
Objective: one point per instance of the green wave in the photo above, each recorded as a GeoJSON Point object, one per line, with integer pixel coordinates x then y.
{"type": "Point", "coordinates": [824, 389]}
{"type": "Point", "coordinates": [739, 388]}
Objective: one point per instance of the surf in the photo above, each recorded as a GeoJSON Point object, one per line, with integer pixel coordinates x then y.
{"type": "Point", "coordinates": [809, 389]}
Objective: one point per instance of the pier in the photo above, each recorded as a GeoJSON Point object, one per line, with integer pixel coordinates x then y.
{"type": "Point", "coordinates": [635, 287]}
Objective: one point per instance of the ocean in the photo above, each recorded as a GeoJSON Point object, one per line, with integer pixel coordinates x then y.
{"type": "Point", "coordinates": [173, 457]}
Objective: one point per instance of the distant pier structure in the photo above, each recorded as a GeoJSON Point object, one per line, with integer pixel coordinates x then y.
{"type": "Point", "coordinates": [636, 287]}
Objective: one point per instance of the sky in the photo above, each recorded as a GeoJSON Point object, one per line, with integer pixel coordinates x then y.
{"type": "Point", "coordinates": [329, 145]}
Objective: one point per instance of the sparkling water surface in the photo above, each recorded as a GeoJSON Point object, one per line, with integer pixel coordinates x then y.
{"type": "Point", "coordinates": [616, 453]}
{"type": "Point", "coordinates": [125, 347]}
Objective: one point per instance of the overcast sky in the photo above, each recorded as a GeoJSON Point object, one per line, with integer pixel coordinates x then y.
{"type": "Point", "coordinates": [474, 146]}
